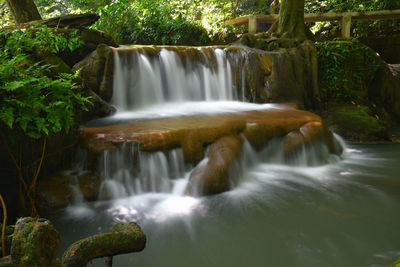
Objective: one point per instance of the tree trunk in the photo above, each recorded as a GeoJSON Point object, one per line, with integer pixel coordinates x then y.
{"type": "Point", "coordinates": [23, 10]}
{"type": "Point", "coordinates": [290, 23]}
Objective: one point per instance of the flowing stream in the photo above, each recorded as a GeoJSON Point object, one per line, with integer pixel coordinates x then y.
{"type": "Point", "coordinates": [317, 209]}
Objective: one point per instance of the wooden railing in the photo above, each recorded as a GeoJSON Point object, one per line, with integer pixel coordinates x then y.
{"type": "Point", "coordinates": [345, 19]}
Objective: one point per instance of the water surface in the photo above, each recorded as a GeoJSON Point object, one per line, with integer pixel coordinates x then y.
{"type": "Point", "coordinates": [345, 213]}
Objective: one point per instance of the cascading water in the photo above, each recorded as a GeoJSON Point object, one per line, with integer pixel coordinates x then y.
{"type": "Point", "coordinates": [143, 80]}
{"type": "Point", "coordinates": [312, 209]}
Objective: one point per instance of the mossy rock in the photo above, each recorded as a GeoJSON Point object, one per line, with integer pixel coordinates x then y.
{"type": "Point", "coordinates": [357, 123]}
{"type": "Point", "coordinates": [35, 243]}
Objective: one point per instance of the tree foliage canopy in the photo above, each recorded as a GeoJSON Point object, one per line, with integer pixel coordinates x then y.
{"type": "Point", "coordinates": [186, 21]}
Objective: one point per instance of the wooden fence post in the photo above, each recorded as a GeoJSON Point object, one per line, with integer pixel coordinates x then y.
{"type": "Point", "coordinates": [346, 26]}
{"type": "Point", "coordinates": [253, 24]}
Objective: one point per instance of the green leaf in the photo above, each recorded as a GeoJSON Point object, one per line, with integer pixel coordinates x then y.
{"type": "Point", "coordinates": [7, 116]}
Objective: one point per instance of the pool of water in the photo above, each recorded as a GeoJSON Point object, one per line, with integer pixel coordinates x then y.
{"type": "Point", "coordinates": [346, 213]}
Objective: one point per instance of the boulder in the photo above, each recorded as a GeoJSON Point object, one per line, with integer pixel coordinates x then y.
{"type": "Point", "coordinates": [96, 72]}
{"type": "Point", "coordinates": [53, 193]}
{"type": "Point", "coordinates": [57, 191]}
{"type": "Point", "coordinates": [96, 79]}
{"type": "Point", "coordinates": [385, 88]}
{"type": "Point", "coordinates": [91, 38]}
{"type": "Point", "coordinates": [358, 123]}
{"type": "Point", "coordinates": [35, 243]}
{"type": "Point", "coordinates": [292, 75]}
{"type": "Point", "coordinates": [213, 175]}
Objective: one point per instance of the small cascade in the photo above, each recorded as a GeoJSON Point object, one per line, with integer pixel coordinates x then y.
{"type": "Point", "coordinates": [147, 77]}
{"type": "Point", "coordinates": [128, 171]}
{"type": "Point", "coordinates": [156, 89]}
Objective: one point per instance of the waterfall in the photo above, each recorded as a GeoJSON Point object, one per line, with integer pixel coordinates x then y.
{"type": "Point", "coordinates": [292, 198]}
{"type": "Point", "coordinates": [143, 78]}
{"type": "Point", "coordinates": [161, 82]}
{"type": "Point", "coordinates": [129, 171]}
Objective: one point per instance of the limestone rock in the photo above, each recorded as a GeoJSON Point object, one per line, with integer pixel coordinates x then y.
{"type": "Point", "coordinates": [292, 75]}
{"type": "Point", "coordinates": [357, 123]}
{"type": "Point", "coordinates": [223, 135]}
{"type": "Point", "coordinates": [96, 79]}
{"type": "Point", "coordinates": [96, 72]}
{"type": "Point", "coordinates": [213, 175]}
{"type": "Point", "coordinates": [385, 88]}
{"type": "Point", "coordinates": [35, 243]}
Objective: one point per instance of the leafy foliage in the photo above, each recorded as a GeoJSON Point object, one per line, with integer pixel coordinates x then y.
{"type": "Point", "coordinates": [52, 8]}
{"type": "Point", "coordinates": [345, 69]}
{"type": "Point", "coordinates": [32, 104]}
{"type": "Point", "coordinates": [147, 22]}
{"type": "Point", "coordinates": [359, 28]}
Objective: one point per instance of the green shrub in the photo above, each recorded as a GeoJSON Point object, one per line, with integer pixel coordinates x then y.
{"type": "Point", "coordinates": [31, 103]}
{"type": "Point", "coordinates": [345, 69]}
{"type": "Point", "coordinates": [149, 22]}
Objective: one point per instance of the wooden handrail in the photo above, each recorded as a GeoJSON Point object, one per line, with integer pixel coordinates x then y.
{"type": "Point", "coordinates": [344, 17]}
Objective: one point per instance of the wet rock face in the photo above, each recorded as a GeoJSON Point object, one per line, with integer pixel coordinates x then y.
{"type": "Point", "coordinates": [222, 134]}
{"type": "Point", "coordinates": [293, 76]}
{"type": "Point", "coordinates": [96, 71]}
{"type": "Point", "coordinates": [212, 176]}
{"type": "Point", "coordinates": [57, 191]}
{"type": "Point", "coordinates": [92, 38]}
{"type": "Point", "coordinates": [35, 243]}
{"type": "Point", "coordinates": [96, 78]}
{"type": "Point", "coordinates": [385, 88]}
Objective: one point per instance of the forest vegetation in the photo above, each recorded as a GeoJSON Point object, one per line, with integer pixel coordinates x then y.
{"type": "Point", "coordinates": [41, 97]}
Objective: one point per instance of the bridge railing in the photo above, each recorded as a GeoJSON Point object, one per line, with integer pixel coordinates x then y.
{"type": "Point", "coordinates": [345, 19]}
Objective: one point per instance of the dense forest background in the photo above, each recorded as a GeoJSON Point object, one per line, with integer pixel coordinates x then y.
{"type": "Point", "coordinates": [200, 22]}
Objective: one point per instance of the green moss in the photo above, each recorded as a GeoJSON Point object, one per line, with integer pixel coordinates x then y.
{"type": "Point", "coordinates": [359, 122]}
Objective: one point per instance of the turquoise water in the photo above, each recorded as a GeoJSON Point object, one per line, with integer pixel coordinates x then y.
{"type": "Point", "coordinates": [346, 213]}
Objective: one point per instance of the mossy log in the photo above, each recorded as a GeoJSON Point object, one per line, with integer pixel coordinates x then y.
{"type": "Point", "coordinates": [120, 240]}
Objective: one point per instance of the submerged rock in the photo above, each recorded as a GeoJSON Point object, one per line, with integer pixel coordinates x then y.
{"type": "Point", "coordinates": [57, 191]}
{"type": "Point", "coordinates": [35, 243]}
